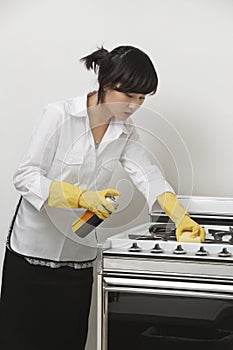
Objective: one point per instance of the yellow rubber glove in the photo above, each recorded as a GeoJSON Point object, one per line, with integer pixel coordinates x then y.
{"type": "Point", "coordinates": [65, 195]}
{"type": "Point", "coordinates": [96, 202]}
{"type": "Point", "coordinates": [187, 230]}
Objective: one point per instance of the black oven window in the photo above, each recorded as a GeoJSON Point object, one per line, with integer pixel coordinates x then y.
{"type": "Point", "coordinates": [146, 321]}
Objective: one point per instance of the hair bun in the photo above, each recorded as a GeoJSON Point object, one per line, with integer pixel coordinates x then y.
{"type": "Point", "coordinates": [93, 60]}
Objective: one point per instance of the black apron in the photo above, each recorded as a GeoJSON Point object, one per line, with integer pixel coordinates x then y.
{"type": "Point", "coordinates": [41, 307]}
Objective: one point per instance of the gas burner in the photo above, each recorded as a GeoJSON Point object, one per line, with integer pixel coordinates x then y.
{"type": "Point", "coordinates": [162, 228]}
{"type": "Point", "coordinates": [219, 235]}
{"type": "Point", "coordinates": [164, 232]}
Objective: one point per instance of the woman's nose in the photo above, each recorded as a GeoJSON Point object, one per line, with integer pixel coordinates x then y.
{"type": "Point", "coordinates": [133, 105]}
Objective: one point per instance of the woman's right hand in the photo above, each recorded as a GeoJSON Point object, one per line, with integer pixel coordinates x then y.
{"type": "Point", "coordinates": [65, 195]}
{"type": "Point", "coordinates": [95, 201]}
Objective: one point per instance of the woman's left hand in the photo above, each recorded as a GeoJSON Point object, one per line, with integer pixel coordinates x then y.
{"type": "Point", "coordinates": [189, 231]}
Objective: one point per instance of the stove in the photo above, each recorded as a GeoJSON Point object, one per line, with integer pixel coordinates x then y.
{"type": "Point", "coordinates": [156, 239]}
{"type": "Point", "coordinates": [159, 293]}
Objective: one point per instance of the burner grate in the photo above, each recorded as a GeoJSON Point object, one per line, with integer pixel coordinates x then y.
{"type": "Point", "coordinates": [167, 232]}
{"type": "Point", "coordinates": [222, 236]}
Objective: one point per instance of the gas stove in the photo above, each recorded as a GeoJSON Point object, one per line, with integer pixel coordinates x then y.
{"type": "Point", "coordinates": [146, 278]}
{"type": "Point", "coordinates": [156, 239]}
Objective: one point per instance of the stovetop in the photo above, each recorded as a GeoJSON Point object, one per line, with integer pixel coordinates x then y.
{"type": "Point", "coordinates": [153, 241]}
{"type": "Point", "coordinates": [156, 238]}
{"type": "Point", "coordinates": [167, 232]}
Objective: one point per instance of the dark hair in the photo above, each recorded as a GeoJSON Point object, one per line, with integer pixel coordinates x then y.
{"type": "Point", "coordinates": [125, 65]}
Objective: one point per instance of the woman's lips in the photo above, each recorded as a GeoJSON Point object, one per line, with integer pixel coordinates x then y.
{"type": "Point", "coordinates": [128, 113]}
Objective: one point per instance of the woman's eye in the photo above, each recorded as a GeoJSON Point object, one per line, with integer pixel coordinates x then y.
{"type": "Point", "coordinates": [129, 95]}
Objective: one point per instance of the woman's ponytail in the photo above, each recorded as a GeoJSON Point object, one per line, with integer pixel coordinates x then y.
{"type": "Point", "coordinates": [126, 69]}
{"type": "Point", "coordinates": [93, 60]}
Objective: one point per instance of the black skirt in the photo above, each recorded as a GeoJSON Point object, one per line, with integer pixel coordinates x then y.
{"type": "Point", "coordinates": [43, 308]}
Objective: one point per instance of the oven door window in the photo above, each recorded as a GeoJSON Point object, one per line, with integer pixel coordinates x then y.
{"type": "Point", "coordinates": [148, 321]}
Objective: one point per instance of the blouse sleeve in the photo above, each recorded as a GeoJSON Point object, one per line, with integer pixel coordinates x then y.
{"type": "Point", "coordinates": [146, 176]}
{"type": "Point", "coordinates": [30, 178]}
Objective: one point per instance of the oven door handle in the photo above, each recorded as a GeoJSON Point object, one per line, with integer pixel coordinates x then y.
{"type": "Point", "coordinates": [170, 285]}
{"type": "Point", "coordinates": [168, 292]}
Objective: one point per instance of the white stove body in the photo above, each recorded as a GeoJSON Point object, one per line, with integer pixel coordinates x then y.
{"type": "Point", "coordinates": [166, 274]}
{"type": "Point", "coordinates": [117, 257]}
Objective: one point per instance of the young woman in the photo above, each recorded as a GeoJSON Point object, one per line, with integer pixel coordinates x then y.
{"type": "Point", "coordinates": [76, 143]}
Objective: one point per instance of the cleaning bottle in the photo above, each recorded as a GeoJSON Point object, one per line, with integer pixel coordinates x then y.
{"type": "Point", "coordinates": [86, 222]}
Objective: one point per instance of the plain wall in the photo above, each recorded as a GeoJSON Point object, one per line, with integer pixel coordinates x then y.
{"type": "Point", "coordinates": [190, 43]}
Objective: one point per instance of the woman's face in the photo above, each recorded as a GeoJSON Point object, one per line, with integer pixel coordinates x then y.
{"type": "Point", "coordinates": [121, 104]}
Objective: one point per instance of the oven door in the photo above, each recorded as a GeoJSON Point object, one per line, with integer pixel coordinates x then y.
{"type": "Point", "coordinates": [143, 313]}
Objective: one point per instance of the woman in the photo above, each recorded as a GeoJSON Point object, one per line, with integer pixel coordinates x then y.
{"type": "Point", "coordinates": [76, 143]}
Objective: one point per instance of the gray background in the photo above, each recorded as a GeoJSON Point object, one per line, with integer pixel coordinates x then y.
{"type": "Point", "coordinates": [190, 43]}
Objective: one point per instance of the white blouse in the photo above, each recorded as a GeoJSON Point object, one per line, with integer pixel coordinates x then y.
{"type": "Point", "coordinates": [62, 148]}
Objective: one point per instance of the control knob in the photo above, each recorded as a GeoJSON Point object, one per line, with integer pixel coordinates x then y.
{"type": "Point", "coordinates": [135, 248]}
{"type": "Point", "coordinates": [179, 250]}
{"type": "Point", "coordinates": [202, 252]}
{"type": "Point", "coordinates": [157, 249]}
{"type": "Point", "coordinates": [224, 253]}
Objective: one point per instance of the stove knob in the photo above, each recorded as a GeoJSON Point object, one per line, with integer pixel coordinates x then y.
{"type": "Point", "coordinates": [202, 251]}
{"type": "Point", "coordinates": [157, 249]}
{"type": "Point", "coordinates": [135, 248]}
{"type": "Point", "coordinates": [179, 250]}
{"type": "Point", "coordinates": [224, 253]}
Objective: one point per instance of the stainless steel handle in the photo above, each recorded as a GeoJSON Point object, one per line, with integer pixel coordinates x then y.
{"type": "Point", "coordinates": [171, 287]}
{"type": "Point", "coordinates": [169, 284]}
{"type": "Point", "coordinates": [169, 292]}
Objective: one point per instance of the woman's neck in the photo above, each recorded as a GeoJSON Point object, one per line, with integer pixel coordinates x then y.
{"type": "Point", "coordinates": [97, 113]}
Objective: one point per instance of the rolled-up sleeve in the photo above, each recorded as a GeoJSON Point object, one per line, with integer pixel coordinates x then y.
{"type": "Point", "coordinates": [146, 176]}
{"type": "Point", "coordinates": [30, 178]}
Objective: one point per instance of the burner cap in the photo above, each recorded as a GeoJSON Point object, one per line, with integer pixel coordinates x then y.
{"type": "Point", "coordinates": [162, 228]}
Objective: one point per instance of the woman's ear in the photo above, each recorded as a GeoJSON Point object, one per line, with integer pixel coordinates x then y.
{"type": "Point", "coordinates": [107, 87]}
{"type": "Point", "coordinates": [111, 86]}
